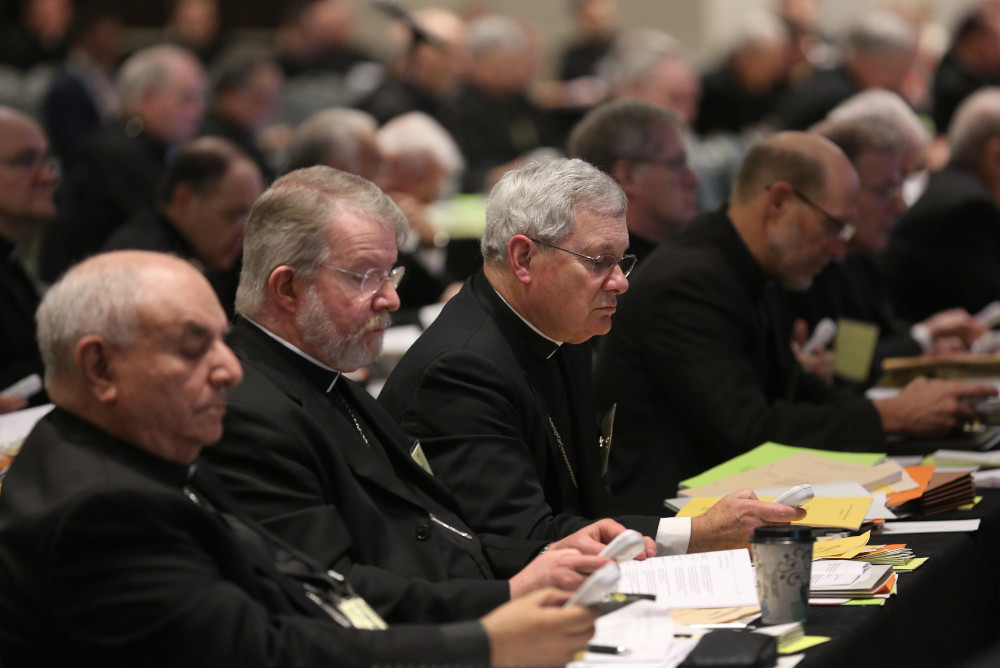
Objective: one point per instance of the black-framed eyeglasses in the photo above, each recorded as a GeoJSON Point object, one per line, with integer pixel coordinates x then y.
{"type": "Point", "coordinates": [602, 265]}
{"type": "Point", "coordinates": [836, 227]}
{"type": "Point", "coordinates": [372, 280]}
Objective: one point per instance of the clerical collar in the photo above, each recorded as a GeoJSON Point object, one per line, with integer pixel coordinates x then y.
{"type": "Point", "coordinates": [295, 349]}
{"type": "Point", "coordinates": [557, 344]}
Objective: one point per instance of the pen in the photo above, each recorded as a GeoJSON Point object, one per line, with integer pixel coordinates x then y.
{"type": "Point", "coordinates": [608, 649]}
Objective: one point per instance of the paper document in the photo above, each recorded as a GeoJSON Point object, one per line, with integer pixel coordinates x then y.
{"type": "Point", "coordinates": [644, 629]}
{"type": "Point", "coordinates": [703, 580]}
{"type": "Point", "coordinates": [836, 573]}
{"type": "Point", "coordinates": [848, 513]}
{"type": "Point", "coordinates": [802, 468]}
{"type": "Point", "coordinates": [15, 427]}
{"type": "Point", "coordinates": [769, 453]}
{"type": "Point", "coordinates": [940, 526]}
{"type": "Point", "coordinates": [840, 547]}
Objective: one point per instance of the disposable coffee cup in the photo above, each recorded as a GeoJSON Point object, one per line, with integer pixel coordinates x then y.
{"type": "Point", "coordinates": [782, 559]}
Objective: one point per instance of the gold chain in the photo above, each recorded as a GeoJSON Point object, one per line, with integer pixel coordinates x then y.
{"type": "Point", "coordinates": [354, 417]}
{"type": "Point", "coordinates": [562, 449]}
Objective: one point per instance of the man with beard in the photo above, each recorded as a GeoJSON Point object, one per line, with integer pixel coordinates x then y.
{"type": "Point", "coordinates": [314, 457]}
{"type": "Point", "coordinates": [119, 546]}
{"type": "Point", "coordinates": [699, 361]}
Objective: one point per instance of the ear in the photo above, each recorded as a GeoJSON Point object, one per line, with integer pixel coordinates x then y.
{"type": "Point", "coordinates": [285, 288]}
{"type": "Point", "coordinates": [623, 172]}
{"type": "Point", "coordinates": [779, 194]}
{"type": "Point", "coordinates": [520, 251]}
{"type": "Point", "coordinates": [94, 360]}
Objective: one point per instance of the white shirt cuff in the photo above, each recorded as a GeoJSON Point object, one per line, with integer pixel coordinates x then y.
{"type": "Point", "coordinates": [673, 535]}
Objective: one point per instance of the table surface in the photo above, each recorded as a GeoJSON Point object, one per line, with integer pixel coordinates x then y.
{"type": "Point", "coordinates": [944, 614]}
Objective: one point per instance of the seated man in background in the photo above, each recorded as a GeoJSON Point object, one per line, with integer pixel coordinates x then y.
{"type": "Point", "coordinates": [944, 251]}
{"type": "Point", "coordinates": [854, 288]}
{"type": "Point", "coordinates": [201, 207]}
{"type": "Point", "coordinates": [312, 456]}
{"type": "Point", "coordinates": [699, 361]}
{"type": "Point", "coordinates": [498, 390]}
{"type": "Point", "coordinates": [120, 548]}
{"type": "Point", "coordinates": [162, 92]}
{"type": "Point", "coordinates": [642, 147]}
{"type": "Point", "coordinates": [27, 181]}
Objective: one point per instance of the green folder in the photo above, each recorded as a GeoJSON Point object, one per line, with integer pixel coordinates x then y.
{"type": "Point", "coordinates": [768, 453]}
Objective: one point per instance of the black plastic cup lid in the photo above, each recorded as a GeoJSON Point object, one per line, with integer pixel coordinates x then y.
{"type": "Point", "coordinates": [781, 533]}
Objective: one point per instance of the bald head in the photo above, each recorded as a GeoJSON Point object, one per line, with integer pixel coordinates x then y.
{"type": "Point", "coordinates": [794, 204]}
{"type": "Point", "coordinates": [132, 342]}
{"type": "Point", "coordinates": [806, 161]}
{"type": "Point", "coordinates": [27, 176]}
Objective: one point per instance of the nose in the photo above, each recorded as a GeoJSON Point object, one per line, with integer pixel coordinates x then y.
{"type": "Point", "coordinates": [616, 281]}
{"type": "Point", "coordinates": [227, 371]}
{"type": "Point", "coordinates": [386, 298]}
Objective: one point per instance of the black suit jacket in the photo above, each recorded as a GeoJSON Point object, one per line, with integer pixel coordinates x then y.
{"type": "Point", "coordinates": [701, 374]}
{"type": "Point", "coordinates": [19, 354]}
{"type": "Point", "coordinates": [293, 458]}
{"type": "Point", "coordinates": [104, 562]}
{"type": "Point", "coordinates": [945, 252]}
{"type": "Point", "coordinates": [114, 178]}
{"type": "Point", "coordinates": [855, 288]}
{"type": "Point", "coordinates": [478, 388]}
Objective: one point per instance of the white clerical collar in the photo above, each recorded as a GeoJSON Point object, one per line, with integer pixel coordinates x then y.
{"type": "Point", "coordinates": [297, 351]}
{"type": "Point", "coordinates": [533, 328]}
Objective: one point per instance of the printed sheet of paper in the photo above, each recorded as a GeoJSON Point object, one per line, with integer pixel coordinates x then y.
{"type": "Point", "coordinates": [703, 580]}
{"type": "Point", "coordinates": [644, 628]}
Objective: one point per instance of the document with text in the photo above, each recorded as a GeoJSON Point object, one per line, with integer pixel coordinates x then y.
{"type": "Point", "coordinates": [704, 580]}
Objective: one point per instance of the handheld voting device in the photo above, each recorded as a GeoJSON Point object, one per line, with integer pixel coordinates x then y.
{"type": "Point", "coordinates": [597, 585]}
{"type": "Point", "coordinates": [795, 496]}
{"type": "Point", "coordinates": [626, 545]}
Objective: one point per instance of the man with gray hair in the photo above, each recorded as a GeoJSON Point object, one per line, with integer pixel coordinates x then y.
{"type": "Point", "coordinates": [137, 556]}
{"type": "Point", "coordinates": [114, 178]}
{"type": "Point", "coordinates": [878, 53]}
{"type": "Point", "coordinates": [498, 389]}
{"type": "Point", "coordinates": [641, 146]}
{"type": "Point", "coordinates": [944, 252]}
{"type": "Point", "coordinates": [311, 455]}
{"type": "Point", "coordinates": [698, 361]}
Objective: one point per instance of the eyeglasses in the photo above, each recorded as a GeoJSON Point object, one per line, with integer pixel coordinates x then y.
{"type": "Point", "coordinates": [836, 227]}
{"type": "Point", "coordinates": [32, 161]}
{"type": "Point", "coordinates": [602, 265]}
{"type": "Point", "coordinates": [372, 280]}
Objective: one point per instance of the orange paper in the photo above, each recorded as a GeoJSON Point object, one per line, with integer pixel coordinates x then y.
{"type": "Point", "coordinates": [921, 475]}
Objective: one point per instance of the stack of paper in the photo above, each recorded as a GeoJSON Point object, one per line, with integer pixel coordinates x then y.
{"type": "Point", "coordinates": [946, 490]}
{"type": "Point", "coordinates": [804, 467]}
{"type": "Point", "coordinates": [850, 579]}
{"type": "Point", "coordinates": [894, 555]}
{"type": "Point", "coordinates": [704, 580]}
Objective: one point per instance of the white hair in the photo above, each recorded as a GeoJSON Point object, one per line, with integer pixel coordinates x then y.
{"type": "Point", "coordinates": [96, 296]}
{"type": "Point", "coordinates": [330, 136]}
{"type": "Point", "coordinates": [417, 134]}
{"type": "Point", "coordinates": [637, 53]}
{"type": "Point", "coordinates": [494, 31]}
{"type": "Point", "coordinates": [886, 105]}
{"type": "Point", "coordinates": [541, 199]}
{"type": "Point", "coordinates": [148, 69]}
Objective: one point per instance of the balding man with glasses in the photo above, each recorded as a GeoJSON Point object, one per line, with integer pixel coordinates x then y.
{"type": "Point", "coordinates": [699, 362]}
{"type": "Point", "coordinates": [498, 389]}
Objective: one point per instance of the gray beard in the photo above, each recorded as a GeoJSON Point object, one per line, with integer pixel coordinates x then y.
{"type": "Point", "coordinates": [338, 350]}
